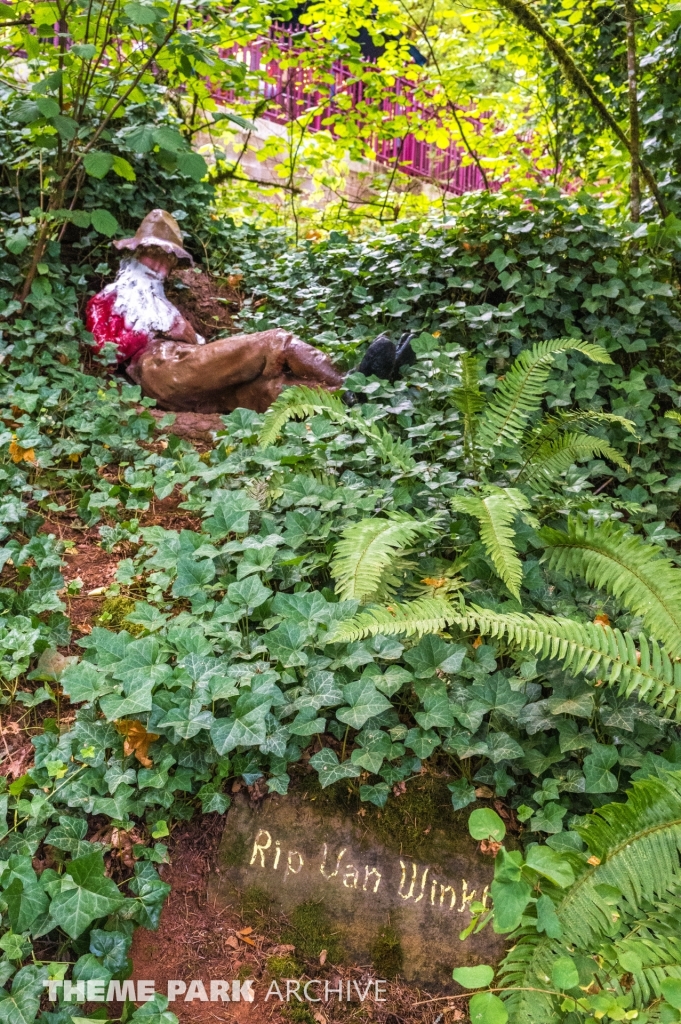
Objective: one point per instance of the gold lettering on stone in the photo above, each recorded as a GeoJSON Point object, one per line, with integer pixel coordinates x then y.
{"type": "Point", "coordinates": [444, 889]}
{"type": "Point", "coordinates": [464, 897]}
{"type": "Point", "coordinates": [403, 880]}
{"type": "Point", "coordinates": [417, 882]}
{"type": "Point", "coordinates": [289, 864]}
{"type": "Point", "coordinates": [260, 849]}
{"type": "Point", "coordinates": [423, 884]}
{"type": "Point", "coordinates": [331, 874]}
{"type": "Point", "coordinates": [351, 877]}
{"type": "Point", "coordinates": [367, 876]}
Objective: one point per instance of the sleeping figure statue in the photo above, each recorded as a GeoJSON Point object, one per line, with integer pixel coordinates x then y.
{"type": "Point", "coordinates": [162, 352]}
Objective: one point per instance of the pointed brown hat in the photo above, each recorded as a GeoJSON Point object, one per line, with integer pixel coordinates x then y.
{"type": "Point", "coordinates": [158, 228]}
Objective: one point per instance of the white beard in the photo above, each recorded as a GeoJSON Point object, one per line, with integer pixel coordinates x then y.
{"type": "Point", "coordinates": [141, 299]}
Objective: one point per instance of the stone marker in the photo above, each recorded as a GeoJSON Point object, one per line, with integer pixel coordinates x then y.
{"type": "Point", "coordinates": [295, 854]}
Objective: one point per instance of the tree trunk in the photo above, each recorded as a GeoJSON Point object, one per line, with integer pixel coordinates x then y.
{"type": "Point", "coordinates": [634, 124]}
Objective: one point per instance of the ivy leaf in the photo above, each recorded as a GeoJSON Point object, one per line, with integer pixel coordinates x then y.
{"type": "Point", "coordinates": [285, 644]}
{"type": "Point", "coordinates": [21, 1007]}
{"type": "Point", "coordinates": [436, 703]}
{"type": "Point", "coordinates": [86, 895]}
{"type": "Point", "coordinates": [596, 765]}
{"type": "Point", "coordinates": [431, 654]}
{"type": "Point", "coordinates": [248, 593]}
{"type": "Point", "coordinates": [97, 163]}
{"type": "Point", "coordinates": [364, 702]}
{"type": "Point", "coordinates": [231, 514]}
{"type": "Point", "coordinates": [154, 1011]}
{"type": "Point", "coordinates": [186, 719]}
{"type": "Point", "coordinates": [85, 681]}
{"type": "Point", "coordinates": [330, 769]}
{"type": "Point", "coordinates": [548, 818]}
{"type": "Point", "coordinates": [463, 793]}
{"type": "Point", "coordinates": [247, 731]}
{"type": "Point", "coordinates": [193, 576]}
{"type": "Point", "coordinates": [377, 794]}
{"type": "Point", "coordinates": [25, 902]}
{"type": "Point", "coordinates": [423, 742]}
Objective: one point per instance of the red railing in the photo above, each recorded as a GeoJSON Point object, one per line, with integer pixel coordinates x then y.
{"type": "Point", "coordinates": [293, 91]}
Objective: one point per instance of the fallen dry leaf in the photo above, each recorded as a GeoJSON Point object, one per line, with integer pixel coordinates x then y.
{"type": "Point", "coordinates": [319, 1017]}
{"type": "Point", "coordinates": [484, 793]}
{"type": "Point", "coordinates": [137, 740]}
{"type": "Point", "coordinates": [322, 957]}
{"type": "Point", "coordinates": [232, 942]}
{"type": "Point", "coordinates": [602, 619]}
{"type": "Point", "coordinates": [489, 847]}
{"type": "Point", "coordinates": [245, 931]}
{"type": "Point", "coordinates": [18, 454]}
{"type": "Point", "coordinates": [478, 642]}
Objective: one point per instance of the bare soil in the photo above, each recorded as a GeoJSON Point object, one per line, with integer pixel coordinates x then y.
{"type": "Point", "coordinates": [209, 303]}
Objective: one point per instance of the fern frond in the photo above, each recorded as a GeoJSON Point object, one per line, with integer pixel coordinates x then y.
{"type": "Point", "coordinates": [634, 849]}
{"type": "Point", "coordinates": [646, 672]}
{"type": "Point", "coordinates": [553, 424]}
{"type": "Point", "coordinates": [367, 550]}
{"type": "Point", "coordinates": [557, 455]}
{"type": "Point", "coordinates": [300, 401]}
{"type": "Point", "coordinates": [414, 618]}
{"type": "Point", "coordinates": [495, 514]}
{"type": "Point", "coordinates": [522, 390]}
{"type": "Point", "coordinates": [655, 940]}
{"type": "Point", "coordinates": [295, 403]}
{"type": "Point", "coordinates": [625, 565]}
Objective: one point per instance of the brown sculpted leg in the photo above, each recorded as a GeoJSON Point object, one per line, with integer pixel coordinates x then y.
{"type": "Point", "coordinates": [245, 371]}
{"type": "Point", "coordinates": [194, 378]}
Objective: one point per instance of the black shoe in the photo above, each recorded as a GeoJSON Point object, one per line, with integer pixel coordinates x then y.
{"type": "Point", "coordinates": [405, 355]}
{"type": "Point", "coordinates": [379, 359]}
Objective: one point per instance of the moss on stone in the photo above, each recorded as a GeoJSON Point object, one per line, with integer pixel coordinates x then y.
{"type": "Point", "coordinates": [387, 955]}
{"type": "Point", "coordinates": [309, 930]}
{"type": "Point", "coordinates": [236, 854]}
{"type": "Point", "coordinates": [420, 823]}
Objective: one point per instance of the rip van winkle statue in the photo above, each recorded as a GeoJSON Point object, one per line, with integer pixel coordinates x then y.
{"type": "Point", "coordinates": [177, 367]}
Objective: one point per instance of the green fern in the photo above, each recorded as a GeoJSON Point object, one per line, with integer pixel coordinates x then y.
{"type": "Point", "coordinates": [634, 849]}
{"type": "Point", "coordinates": [469, 400]}
{"type": "Point", "coordinates": [555, 456]}
{"type": "Point", "coordinates": [645, 671]}
{"type": "Point", "coordinates": [625, 565]}
{"type": "Point", "coordinates": [495, 514]}
{"type": "Point", "coordinates": [654, 940]}
{"type": "Point", "coordinates": [297, 402]}
{"type": "Point", "coordinates": [367, 551]}
{"type": "Point", "coordinates": [415, 618]}
{"type": "Point", "coordinates": [301, 401]}
{"type": "Point", "coordinates": [520, 394]}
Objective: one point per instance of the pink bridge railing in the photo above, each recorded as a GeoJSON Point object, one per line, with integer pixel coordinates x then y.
{"type": "Point", "coordinates": [291, 92]}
